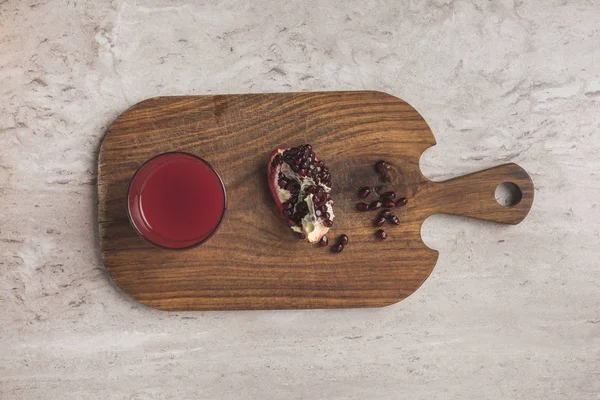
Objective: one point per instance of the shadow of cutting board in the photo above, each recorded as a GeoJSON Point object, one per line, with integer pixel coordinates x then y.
{"type": "Point", "coordinates": [254, 261]}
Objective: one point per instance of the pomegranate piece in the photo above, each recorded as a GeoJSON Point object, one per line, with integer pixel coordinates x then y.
{"type": "Point", "coordinates": [300, 184]}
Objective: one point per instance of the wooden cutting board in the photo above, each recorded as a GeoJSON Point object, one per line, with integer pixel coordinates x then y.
{"type": "Point", "coordinates": [254, 261]}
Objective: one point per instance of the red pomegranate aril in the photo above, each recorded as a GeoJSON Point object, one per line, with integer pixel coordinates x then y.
{"type": "Point", "coordinates": [381, 166]}
{"type": "Point", "coordinates": [362, 206]}
{"type": "Point", "coordinates": [381, 234]}
{"type": "Point", "coordinates": [328, 223]}
{"type": "Point", "coordinates": [388, 203]}
{"type": "Point", "coordinates": [401, 202]}
{"type": "Point", "coordinates": [395, 220]}
{"type": "Point", "coordinates": [385, 214]}
{"type": "Point", "coordinates": [337, 248]}
{"type": "Point", "coordinates": [364, 192]}
{"type": "Point", "coordinates": [344, 240]}
{"type": "Point", "coordinates": [324, 241]}
{"type": "Point", "coordinates": [375, 205]}
{"type": "Point", "coordinates": [389, 195]}
{"type": "Point", "coordinates": [278, 160]}
{"type": "Point", "coordinates": [380, 221]}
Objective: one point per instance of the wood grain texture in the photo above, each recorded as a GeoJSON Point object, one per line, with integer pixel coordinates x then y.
{"type": "Point", "coordinates": [254, 262]}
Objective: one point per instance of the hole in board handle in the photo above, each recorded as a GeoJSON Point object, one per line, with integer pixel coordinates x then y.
{"type": "Point", "coordinates": [508, 194]}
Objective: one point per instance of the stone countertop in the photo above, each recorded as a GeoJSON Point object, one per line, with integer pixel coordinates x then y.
{"type": "Point", "coordinates": [510, 312]}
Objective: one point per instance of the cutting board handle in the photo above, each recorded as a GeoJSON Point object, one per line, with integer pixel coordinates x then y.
{"type": "Point", "coordinates": [473, 195]}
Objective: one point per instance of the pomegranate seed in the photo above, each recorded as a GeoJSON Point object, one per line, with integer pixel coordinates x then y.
{"type": "Point", "coordinates": [388, 203]}
{"type": "Point", "coordinates": [324, 241]}
{"type": "Point", "coordinates": [381, 166]}
{"type": "Point", "coordinates": [277, 160]}
{"type": "Point", "coordinates": [380, 221]}
{"type": "Point", "coordinates": [344, 240]}
{"type": "Point", "coordinates": [290, 222]}
{"type": "Point", "coordinates": [381, 234]}
{"type": "Point", "coordinates": [364, 192]}
{"type": "Point", "coordinates": [362, 206]}
{"type": "Point", "coordinates": [337, 248]}
{"type": "Point", "coordinates": [385, 214]}
{"type": "Point", "coordinates": [375, 205]}
{"type": "Point", "coordinates": [326, 215]}
{"type": "Point", "coordinates": [401, 202]}
{"type": "Point", "coordinates": [395, 220]}
{"type": "Point", "coordinates": [389, 195]}
{"type": "Point", "coordinates": [328, 223]}
{"type": "Point", "coordinates": [282, 183]}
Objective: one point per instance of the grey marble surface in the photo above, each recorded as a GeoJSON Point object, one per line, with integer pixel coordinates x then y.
{"type": "Point", "coordinates": [510, 312]}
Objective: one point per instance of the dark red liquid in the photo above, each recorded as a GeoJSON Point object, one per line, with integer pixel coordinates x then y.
{"type": "Point", "coordinates": [176, 200]}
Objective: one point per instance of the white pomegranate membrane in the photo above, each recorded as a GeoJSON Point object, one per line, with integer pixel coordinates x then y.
{"type": "Point", "coordinates": [301, 187]}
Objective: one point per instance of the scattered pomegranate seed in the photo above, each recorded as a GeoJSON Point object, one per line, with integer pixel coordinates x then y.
{"type": "Point", "coordinates": [362, 206]}
{"type": "Point", "coordinates": [375, 205]}
{"type": "Point", "coordinates": [389, 203]}
{"type": "Point", "coordinates": [381, 234]}
{"type": "Point", "coordinates": [380, 166]}
{"type": "Point", "coordinates": [337, 248]}
{"type": "Point", "coordinates": [401, 202]}
{"type": "Point", "coordinates": [364, 192]}
{"type": "Point", "coordinates": [328, 223]}
{"type": "Point", "coordinates": [380, 221]}
{"type": "Point", "coordinates": [395, 220]}
{"type": "Point", "coordinates": [385, 214]}
{"type": "Point", "coordinates": [324, 241]}
{"type": "Point", "coordinates": [344, 240]}
{"type": "Point", "coordinates": [389, 195]}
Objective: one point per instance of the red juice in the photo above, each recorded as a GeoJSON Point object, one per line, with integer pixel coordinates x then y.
{"type": "Point", "coordinates": [176, 200]}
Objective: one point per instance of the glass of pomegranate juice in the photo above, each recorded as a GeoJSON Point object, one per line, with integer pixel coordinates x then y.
{"type": "Point", "coordinates": [176, 201]}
